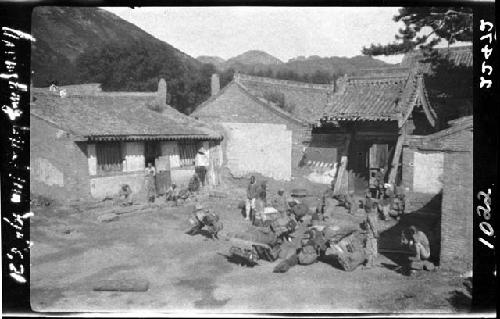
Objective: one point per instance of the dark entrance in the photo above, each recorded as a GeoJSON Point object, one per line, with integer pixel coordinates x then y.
{"type": "Point", "coordinates": [365, 158]}
{"type": "Point", "coordinates": [357, 164]}
{"type": "Point", "coordinates": [152, 154]}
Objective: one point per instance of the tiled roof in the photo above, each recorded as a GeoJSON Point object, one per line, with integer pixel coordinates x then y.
{"type": "Point", "coordinates": [458, 55]}
{"type": "Point", "coordinates": [385, 94]}
{"type": "Point", "coordinates": [200, 109]}
{"type": "Point", "coordinates": [308, 99]}
{"type": "Point", "coordinates": [116, 116]}
{"type": "Point", "coordinates": [374, 96]}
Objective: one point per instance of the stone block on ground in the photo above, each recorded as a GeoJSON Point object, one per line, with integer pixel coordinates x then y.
{"type": "Point", "coordinates": [217, 194]}
{"type": "Point", "coordinates": [138, 285]}
{"type": "Point", "coordinates": [422, 265]}
{"type": "Point", "coordinates": [106, 218]}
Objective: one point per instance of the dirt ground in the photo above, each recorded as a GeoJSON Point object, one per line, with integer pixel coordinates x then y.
{"type": "Point", "coordinates": [74, 251]}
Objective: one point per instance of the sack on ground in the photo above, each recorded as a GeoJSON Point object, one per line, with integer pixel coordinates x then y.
{"type": "Point", "coordinates": [307, 255]}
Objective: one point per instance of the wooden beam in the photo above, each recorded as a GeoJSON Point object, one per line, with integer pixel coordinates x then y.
{"type": "Point", "coordinates": [340, 187]}
{"type": "Point", "coordinates": [397, 154]}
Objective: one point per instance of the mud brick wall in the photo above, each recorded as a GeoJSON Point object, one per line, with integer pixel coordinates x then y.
{"type": "Point", "coordinates": [457, 212]}
{"type": "Point", "coordinates": [271, 156]}
{"type": "Point", "coordinates": [58, 165]}
{"type": "Point", "coordinates": [234, 106]}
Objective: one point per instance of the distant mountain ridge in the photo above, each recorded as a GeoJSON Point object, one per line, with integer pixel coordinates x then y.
{"type": "Point", "coordinates": [263, 64]}
{"type": "Point", "coordinates": [253, 57]}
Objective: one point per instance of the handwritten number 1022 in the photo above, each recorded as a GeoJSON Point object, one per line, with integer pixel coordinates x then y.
{"type": "Point", "coordinates": [485, 210]}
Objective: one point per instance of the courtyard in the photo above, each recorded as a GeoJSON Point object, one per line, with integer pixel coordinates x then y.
{"type": "Point", "coordinates": [78, 246]}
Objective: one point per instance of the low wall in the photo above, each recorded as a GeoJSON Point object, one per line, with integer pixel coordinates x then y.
{"type": "Point", "coordinates": [181, 176]}
{"type": "Point", "coordinates": [104, 186]}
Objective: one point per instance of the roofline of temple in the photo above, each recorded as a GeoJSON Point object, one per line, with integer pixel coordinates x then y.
{"type": "Point", "coordinates": [295, 84]}
{"type": "Point", "coordinates": [269, 106]}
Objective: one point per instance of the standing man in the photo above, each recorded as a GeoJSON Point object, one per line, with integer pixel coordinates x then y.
{"type": "Point", "coordinates": [150, 173]}
{"type": "Point", "coordinates": [372, 234]}
{"type": "Point", "coordinates": [379, 182]}
{"type": "Point", "coordinates": [201, 164]}
{"type": "Point", "coordinates": [252, 194]}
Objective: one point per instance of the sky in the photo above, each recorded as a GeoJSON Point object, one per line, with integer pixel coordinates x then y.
{"type": "Point", "coordinates": [284, 32]}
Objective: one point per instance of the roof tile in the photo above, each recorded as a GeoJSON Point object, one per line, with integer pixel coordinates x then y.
{"type": "Point", "coordinates": [115, 115]}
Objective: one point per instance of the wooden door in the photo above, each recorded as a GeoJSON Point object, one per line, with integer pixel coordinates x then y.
{"type": "Point", "coordinates": [379, 156]}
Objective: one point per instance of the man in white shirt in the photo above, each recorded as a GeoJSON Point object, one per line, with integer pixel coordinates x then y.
{"type": "Point", "coordinates": [201, 164]}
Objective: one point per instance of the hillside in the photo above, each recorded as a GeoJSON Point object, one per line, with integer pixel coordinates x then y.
{"type": "Point", "coordinates": [91, 45]}
{"type": "Point", "coordinates": [63, 33]}
{"type": "Point", "coordinates": [215, 60]}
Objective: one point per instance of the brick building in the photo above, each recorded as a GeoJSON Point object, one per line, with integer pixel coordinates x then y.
{"type": "Point", "coordinates": [90, 142]}
{"type": "Point", "coordinates": [443, 162]}
{"type": "Point", "coordinates": [266, 122]}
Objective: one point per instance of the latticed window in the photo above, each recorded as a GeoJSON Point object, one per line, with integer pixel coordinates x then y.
{"type": "Point", "coordinates": [109, 157]}
{"type": "Point", "coordinates": [187, 152]}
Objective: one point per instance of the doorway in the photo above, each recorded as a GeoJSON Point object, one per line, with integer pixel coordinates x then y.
{"type": "Point", "coordinates": [151, 152]}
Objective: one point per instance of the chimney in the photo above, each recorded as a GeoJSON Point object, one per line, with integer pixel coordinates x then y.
{"type": "Point", "coordinates": [161, 94]}
{"type": "Point", "coordinates": [215, 84]}
{"type": "Point", "coordinates": [341, 84]}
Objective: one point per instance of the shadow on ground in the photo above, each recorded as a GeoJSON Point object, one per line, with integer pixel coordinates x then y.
{"type": "Point", "coordinates": [427, 219]}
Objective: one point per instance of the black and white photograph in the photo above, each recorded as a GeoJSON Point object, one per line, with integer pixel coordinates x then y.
{"type": "Point", "coordinates": [252, 159]}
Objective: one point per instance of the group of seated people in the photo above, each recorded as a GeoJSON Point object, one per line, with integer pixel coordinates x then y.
{"type": "Point", "coordinates": [177, 195]}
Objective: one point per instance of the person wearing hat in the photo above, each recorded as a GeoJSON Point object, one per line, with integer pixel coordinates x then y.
{"type": "Point", "coordinates": [201, 165]}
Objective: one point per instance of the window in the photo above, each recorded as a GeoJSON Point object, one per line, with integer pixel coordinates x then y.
{"type": "Point", "coordinates": [109, 157]}
{"type": "Point", "coordinates": [187, 152]}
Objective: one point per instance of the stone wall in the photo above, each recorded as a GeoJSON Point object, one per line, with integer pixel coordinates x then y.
{"type": "Point", "coordinates": [58, 164]}
{"type": "Point", "coordinates": [457, 212]}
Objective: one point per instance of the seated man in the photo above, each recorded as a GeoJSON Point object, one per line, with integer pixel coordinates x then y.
{"type": "Point", "coordinates": [124, 195]}
{"type": "Point", "coordinates": [418, 242]}
{"type": "Point", "coordinates": [172, 193]}
{"type": "Point", "coordinates": [194, 183]}
{"type": "Point", "coordinates": [184, 194]}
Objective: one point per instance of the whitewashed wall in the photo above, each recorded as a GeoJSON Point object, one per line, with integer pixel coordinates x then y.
{"type": "Point", "coordinates": [260, 148]}
{"type": "Point", "coordinates": [428, 172]}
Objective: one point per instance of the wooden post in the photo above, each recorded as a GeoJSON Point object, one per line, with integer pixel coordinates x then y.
{"type": "Point", "coordinates": [397, 156]}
